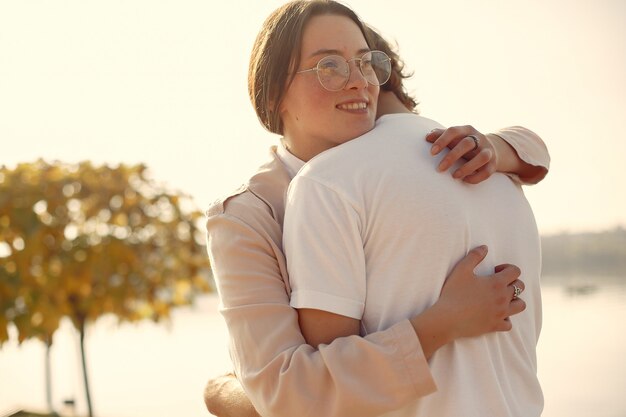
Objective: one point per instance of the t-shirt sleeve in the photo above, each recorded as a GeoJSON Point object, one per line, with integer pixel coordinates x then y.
{"type": "Point", "coordinates": [324, 249]}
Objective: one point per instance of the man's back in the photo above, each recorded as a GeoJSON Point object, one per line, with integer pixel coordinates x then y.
{"type": "Point", "coordinates": [371, 232]}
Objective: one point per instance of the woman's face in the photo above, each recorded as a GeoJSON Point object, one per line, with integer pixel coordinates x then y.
{"type": "Point", "coordinates": [314, 118]}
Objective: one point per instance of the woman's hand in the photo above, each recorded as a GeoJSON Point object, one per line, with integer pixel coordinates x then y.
{"type": "Point", "coordinates": [481, 155]}
{"type": "Point", "coordinates": [481, 304]}
{"type": "Point", "coordinates": [470, 305]}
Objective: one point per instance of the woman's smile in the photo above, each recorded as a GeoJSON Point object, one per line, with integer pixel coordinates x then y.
{"type": "Point", "coordinates": [354, 106]}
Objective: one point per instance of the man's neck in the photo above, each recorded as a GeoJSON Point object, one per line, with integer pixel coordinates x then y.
{"type": "Point", "coordinates": [388, 103]}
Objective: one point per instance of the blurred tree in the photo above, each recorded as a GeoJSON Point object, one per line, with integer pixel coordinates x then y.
{"type": "Point", "coordinates": [591, 253]}
{"type": "Point", "coordinates": [83, 241]}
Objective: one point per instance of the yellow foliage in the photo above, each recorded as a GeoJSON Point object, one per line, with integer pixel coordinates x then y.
{"type": "Point", "coordinates": [86, 241]}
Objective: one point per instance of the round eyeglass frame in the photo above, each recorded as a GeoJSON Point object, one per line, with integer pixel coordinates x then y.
{"type": "Point", "coordinates": [317, 68]}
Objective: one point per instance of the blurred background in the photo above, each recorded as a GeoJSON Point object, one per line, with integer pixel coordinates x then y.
{"type": "Point", "coordinates": [162, 85]}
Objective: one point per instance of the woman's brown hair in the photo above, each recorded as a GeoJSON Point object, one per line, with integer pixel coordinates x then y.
{"type": "Point", "coordinates": [276, 54]}
{"type": "Point", "coordinates": [396, 80]}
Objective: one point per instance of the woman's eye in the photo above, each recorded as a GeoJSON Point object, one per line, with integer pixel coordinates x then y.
{"type": "Point", "coordinates": [330, 69]}
{"type": "Point", "coordinates": [329, 65]}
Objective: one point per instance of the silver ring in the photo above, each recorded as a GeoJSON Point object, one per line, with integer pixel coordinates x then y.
{"type": "Point", "coordinates": [475, 139]}
{"type": "Point", "coordinates": [516, 291]}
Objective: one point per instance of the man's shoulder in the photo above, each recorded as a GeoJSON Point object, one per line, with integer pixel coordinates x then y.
{"type": "Point", "coordinates": [363, 152]}
{"type": "Point", "coordinates": [400, 123]}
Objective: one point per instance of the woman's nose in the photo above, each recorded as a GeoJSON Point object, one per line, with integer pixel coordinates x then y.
{"type": "Point", "coordinates": [356, 80]}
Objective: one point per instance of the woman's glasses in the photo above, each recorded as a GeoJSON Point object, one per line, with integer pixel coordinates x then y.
{"type": "Point", "coordinates": [333, 71]}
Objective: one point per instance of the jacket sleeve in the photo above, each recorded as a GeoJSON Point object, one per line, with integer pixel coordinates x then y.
{"type": "Point", "coordinates": [530, 148]}
{"type": "Point", "coordinates": [281, 374]}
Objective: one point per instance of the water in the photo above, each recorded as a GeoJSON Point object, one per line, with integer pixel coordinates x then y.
{"type": "Point", "coordinates": [582, 348]}
{"type": "Point", "coordinates": [159, 371]}
{"type": "Point", "coordinates": [135, 370]}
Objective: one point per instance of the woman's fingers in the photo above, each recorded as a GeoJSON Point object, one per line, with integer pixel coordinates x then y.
{"type": "Point", "coordinates": [448, 138]}
{"type": "Point", "coordinates": [507, 273]}
{"type": "Point", "coordinates": [519, 284]}
{"type": "Point", "coordinates": [504, 326]}
{"type": "Point", "coordinates": [481, 159]}
{"type": "Point", "coordinates": [434, 134]}
{"type": "Point", "coordinates": [473, 258]}
{"type": "Point", "coordinates": [462, 147]}
{"type": "Point", "coordinates": [467, 143]}
{"type": "Point", "coordinates": [481, 175]}
{"type": "Point", "coordinates": [517, 306]}
{"type": "Point", "coordinates": [464, 269]}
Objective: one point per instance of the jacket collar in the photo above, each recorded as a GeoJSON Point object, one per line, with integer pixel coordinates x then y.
{"type": "Point", "coordinates": [270, 185]}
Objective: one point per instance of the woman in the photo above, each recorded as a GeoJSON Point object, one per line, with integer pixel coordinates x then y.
{"type": "Point", "coordinates": [281, 374]}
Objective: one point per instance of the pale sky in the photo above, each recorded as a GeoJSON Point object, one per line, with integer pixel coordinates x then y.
{"type": "Point", "coordinates": [164, 83]}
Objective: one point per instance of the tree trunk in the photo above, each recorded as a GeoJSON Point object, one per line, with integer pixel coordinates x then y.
{"type": "Point", "coordinates": [86, 380]}
{"type": "Point", "coordinates": [49, 377]}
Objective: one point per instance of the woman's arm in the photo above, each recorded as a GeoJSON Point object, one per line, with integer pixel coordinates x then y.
{"type": "Point", "coordinates": [516, 151]}
{"type": "Point", "coordinates": [282, 375]}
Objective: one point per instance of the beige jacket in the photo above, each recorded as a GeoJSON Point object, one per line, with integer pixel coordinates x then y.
{"type": "Point", "coordinates": [281, 374]}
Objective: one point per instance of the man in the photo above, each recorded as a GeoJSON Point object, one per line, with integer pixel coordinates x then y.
{"type": "Point", "coordinates": [370, 235]}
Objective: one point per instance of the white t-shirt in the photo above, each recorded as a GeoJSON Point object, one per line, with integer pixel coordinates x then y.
{"type": "Point", "coordinates": [372, 230]}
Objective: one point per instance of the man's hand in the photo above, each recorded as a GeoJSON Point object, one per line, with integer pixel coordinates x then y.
{"type": "Point", "coordinates": [224, 397]}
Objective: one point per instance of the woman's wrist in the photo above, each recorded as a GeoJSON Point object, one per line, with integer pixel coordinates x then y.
{"type": "Point", "coordinates": [508, 161]}
{"type": "Point", "coordinates": [434, 328]}
{"type": "Point", "coordinates": [505, 156]}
